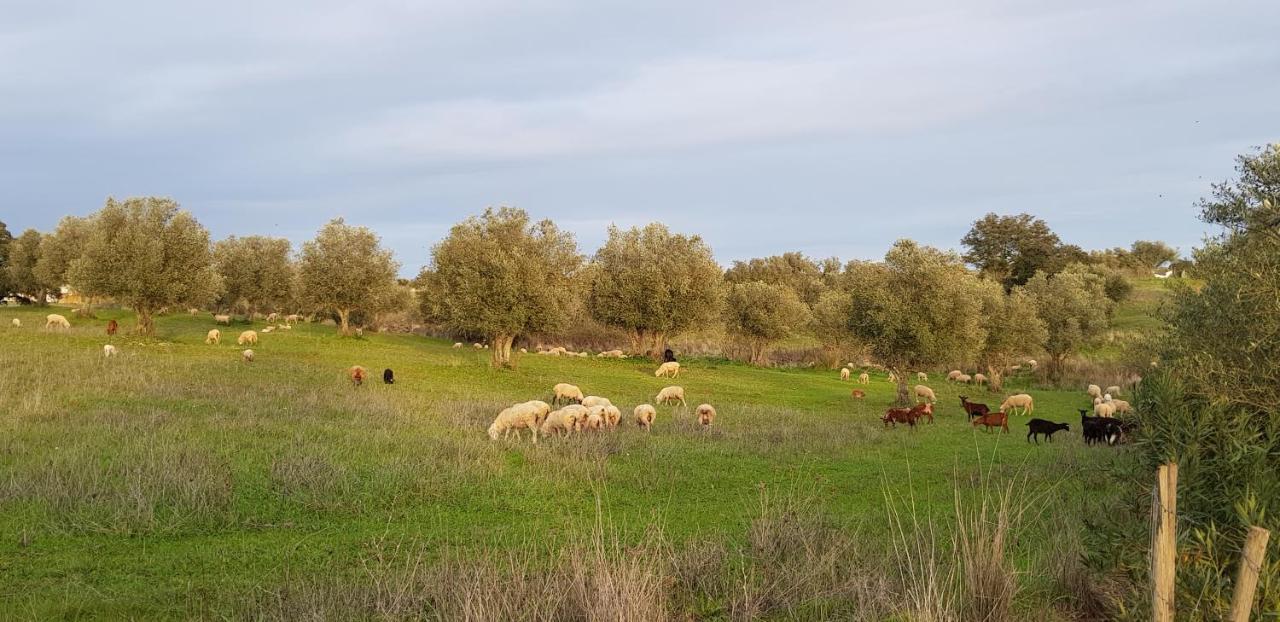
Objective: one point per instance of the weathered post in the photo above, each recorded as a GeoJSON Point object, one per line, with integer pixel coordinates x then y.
{"type": "Point", "coordinates": [1255, 549]}
{"type": "Point", "coordinates": [1164, 542]}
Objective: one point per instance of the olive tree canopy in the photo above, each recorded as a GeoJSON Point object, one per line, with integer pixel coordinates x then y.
{"type": "Point", "coordinates": [1075, 309]}
{"type": "Point", "coordinates": [345, 270]}
{"type": "Point", "coordinates": [147, 253]}
{"type": "Point", "coordinates": [256, 274]}
{"type": "Point", "coordinates": [760, 314]}
{"type": "Point", "coordinates": [501, 275]}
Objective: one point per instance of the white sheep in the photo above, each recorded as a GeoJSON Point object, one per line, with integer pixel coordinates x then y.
{"type": "Point", "coordinates": [926, 393]}
{"type": "Point", "coordinates": [53, 320]}
{"type": "Point", "coordinates": [273, 316]}
{"type": "Point", "coordinates": [670, 394]}
{"type": "Point", "coordinates": [951, 375]}
{"type": "Point", "coordinates": [864, 378]}
{"type": "Point", "coordinates": [193, 311]}
{"type": "Point", "coordinates": [109, 351]}
{"type": "Point", "coordinates": [594, 419]}
{"type": "Point", "coordinates": [670, 369]}
{"type": "Point", "coordinates": [564, 420]}
{"type": "Point", "coordinates": [524, 350]}
{"type": "Point", "coordinates": [706, 414]}
{"type": "Point", "coordinates": [844, 373]}
{"type": "Point", "coordinates": [1104, 409]}
{"type": "Point", "coordinates": [16, 323]}
{"type": "Point", "coordinates": [567, 392]}
{"type": "Point", "coordinates": [285, 327]}
{"type": "Point", "coordinates": [583, 355]}
{"type": "Point", "coordinates": [1121, 406]}
{"type": "Point", "coordinates": [610, 354]}
{"type": "Point", "coordinates": [247, 356]}
{"type": "Point", "coordinates": [645, 414]}
{"type": "Point", "coordinates": [478, 346]}
{"type": "Point", "coordinates": [979, 379]}
{"type": "Point", "coordinates": [457, 344]}
{"type": "Point", "coordinates": [525, 415]}
{"type": "Point", "coordinates": [222, 319]}
{"type": "Point", "coordinates": [292, 318]}
{"type": "Point", "coordinates": [1020, 401]}
{"type": "Point", "coordinates": [1097, 400]}
{"type": "Point", "coordinates": [612, 415]}
{"type": "Point", "coordinates": [595, 400]}
{"type": "Point", "coordinates": [268, 329]}
{"type": "Point", "coordinates": [1094, 391]}
{"type": "Point", "coordinates": [1032, 364]}
{"type": "Point", "coordinates": [1113, 390]}
{"type": "Point", "coordinates": [964, 378]}
{"type": "Point", "coordinates": [922, 377]}
{"type": "Point", "coordinates": [249, 337]}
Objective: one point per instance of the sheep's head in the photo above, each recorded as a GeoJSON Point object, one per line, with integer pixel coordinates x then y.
{"type": "Point", "coordinates": [493, 431]}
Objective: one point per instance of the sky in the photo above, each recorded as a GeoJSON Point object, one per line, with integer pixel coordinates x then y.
{"type": "Point", "coordinates": [828, 127]}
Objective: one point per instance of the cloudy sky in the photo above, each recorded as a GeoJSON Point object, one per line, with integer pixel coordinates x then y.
{"type": "Point", "coordinates": [832, 128]}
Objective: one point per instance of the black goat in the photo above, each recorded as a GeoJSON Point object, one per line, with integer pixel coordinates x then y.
{"type": "Point", "coordinates": [1037, 427]}
{"type": "Point", "coordinates": [973, 409]}
{"type": "Point", "coordinates": [1099, 429]}
{"type": "Point", "coordinates": [388, 376]}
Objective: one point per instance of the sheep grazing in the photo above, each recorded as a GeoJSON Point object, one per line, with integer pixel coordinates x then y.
{"type": "Point", "coordinates": [925, 393]}
{"type": "Point", "coordinates": [645, 414]}
{"type": "Point", "coordinates": [222, 319]}
{"type": "Point", "coordinates": [922, 377]}
{"type": "Point", "coordinates": [109, 351]}
{"type": "Point", "coordinates": [524, 350]}
{"type": "Point", "coordinates": [1032, 364]}
{"type": "Point", "coordinates": [858, 394]}
{"type": "Point", "coordinates": [357, 374]}
{"type": "Point", "coordinates": [1036, 427]}
{"type": "Point", "coordinates": [478, 346]}
{"type": "Point", "coordinates": [953, 374]}
{"type": "Point", "coordinates": [567, 393]}
{"type": "Point", "coordinates": [213, 336]}
{"type": "Point", "coordinates": [193, 311]}
{"type": "Point", "coordinates": [844, 373]}
{"type": "Point", "coordinates": [612, 415]}
{"type": "Point", "coordinates": [249, 337]}
{"type": "Point", "coordinates": [1020, 401]}
{"type": "Point", "coordinates": [706, 414]}
{"type": "Point", "coordinates": [53, 320]}
{"type": "Point", "coordinates": [1121, 406]}
{"type": "Point", "coordinates": [993, 420]}
{"type": "Point", "coordinates": [670, 369]}
{"type": "Point", "coordinates": [1113, 390]}
{"type": "Point", "coordinates": [16, 323]}
{"type": "Point", "coordinates": [273, 316]}
{"type": "Point", "coordinates": [611, 354]}
{"type": "Point", "coordinates": [284, 327]}
{"type": "Point", "coordinates": [564, 420]}
{"type": "Point", "coordinates": [973, 409]}
{"type": "Point", "coordinates": [595, 400]}
{"type": "Point", "coordinates": [670, 394]}
{"type": "Point", "coordinates": [247, 356]}
{"type": "Point", "coordinates": [112, 327]}
{"type": "Point", "coordinates": [964, 378]}
{"type": "Point", "coordinates": [388, 376]}
{"type": "Point", "coordinates": [864, 378]}
{"type": "Point", "coordinates": [292, 318]}
{"type": "Point", "coordinates": [457, 345]}
{"type": "Point", "coordinates": [1094, 391]}
{"type": "Point", "coordinates": [1104, 409]}
{"type": "Point", "coordinates": [268, 329]}
{"type": "Point", "coordinates": [979, 379]}
{"type": "Point", "coordinates": [525, 415]}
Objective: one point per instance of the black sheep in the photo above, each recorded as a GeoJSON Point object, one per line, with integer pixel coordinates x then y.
{"type": "Point", "coordinates": [388, 376]}
{"type": "Point", "coordinates": [668, 356]}
{"type": "Point", "coordinates": [1037, 427]}
{"type": "Point", "coordinates": [1099, 429]}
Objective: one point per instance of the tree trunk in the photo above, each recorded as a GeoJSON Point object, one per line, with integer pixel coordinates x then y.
{"type": "Point", "coordinates": [344, 324]}
{"type": "Point", "coordinates": [637, 341]}
{"type": "Point", "coordinates": [995, 379]}
{"type": "Point", "coordinates": [501, 346]}
{"type": "Point", "coordinates": [146, 324]}
{"type": "Point", "coordinates": [904, 391]}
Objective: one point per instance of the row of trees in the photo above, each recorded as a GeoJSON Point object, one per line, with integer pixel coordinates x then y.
{"type": "Point", "coordinates": [150, 255]}
{"type": "Point", "coordinates": [500, 275]}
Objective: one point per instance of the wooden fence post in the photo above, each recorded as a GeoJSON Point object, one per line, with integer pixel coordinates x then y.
{"type": "Point", "coordinates": [1164, 542]}
{"type": "Point", "coordinates": [1255, 548]}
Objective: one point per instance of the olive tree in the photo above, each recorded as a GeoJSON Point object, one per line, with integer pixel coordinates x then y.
{"type": "Point", "coordinates": [149, 254]}
{"type": "Point", "coordinates": [345, 270]}
{"type": "Point", "coordinates": [829, 322]}
{"type": "Point", "coordinates": [24, 254]}
{"type": "Point", "coordinates": [6, 241]}
{"type": "Point", "coordinates": [654, 284]}
{"type": "Point", "coordinates": [1012, 327]}
{"type": "Point", "coordinates": [501, 275]}
{"type": "Point", "coordinates": [256, 273]}
{"type": "Point", "coordinates": [793, 271]}
{"type": "Point", "coordinates": [60, 250]}
{"type": "Point", "coordinates": [761, 314]}
{"type": "Point", "coordinates": [917, 308]}
{"type": "Point", "coordinates": [1075, 309]}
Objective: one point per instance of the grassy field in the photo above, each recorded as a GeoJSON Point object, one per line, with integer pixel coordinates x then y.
{"type": "Point", "coordinates": [176, 482]}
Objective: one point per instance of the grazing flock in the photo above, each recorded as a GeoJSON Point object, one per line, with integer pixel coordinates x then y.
{"type": "Point", "coordinates": [574, 413]}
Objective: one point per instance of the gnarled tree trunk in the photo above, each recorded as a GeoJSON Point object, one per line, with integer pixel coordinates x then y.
{"type": "Point", "coordinates": [501, 346]}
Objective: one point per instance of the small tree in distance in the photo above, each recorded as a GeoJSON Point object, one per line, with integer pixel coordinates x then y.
{"type": "Point", "coordinates": [761, 314]}
{"type": "Point", "coordinates": [256, 274]}
{"type": "Point", "coordinates": [1074, 307]}
{"type": "Point", "coordinates": [501, 276]}
{"type": "Point", "coordinates": [24, 255]}
{"type": "Point", "coordinates": [345, 270]}
{"type": "Point", "coordinates": [1012, 328]}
